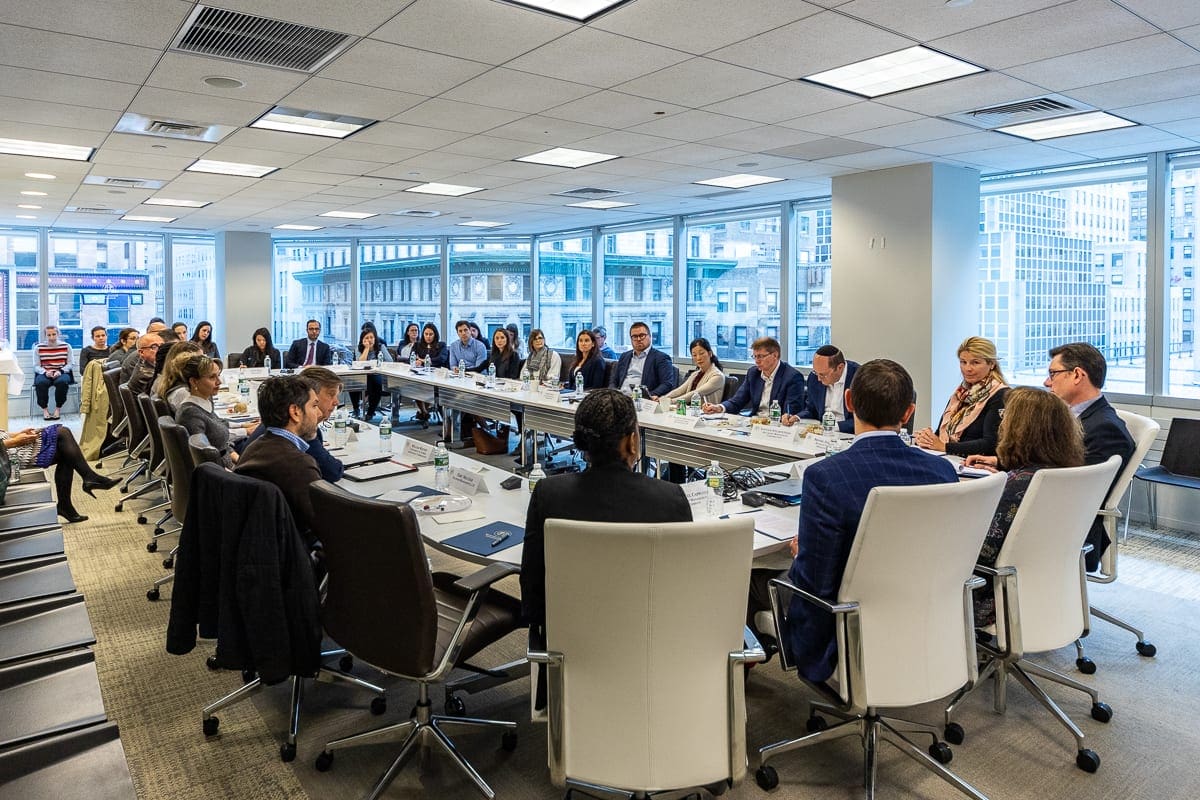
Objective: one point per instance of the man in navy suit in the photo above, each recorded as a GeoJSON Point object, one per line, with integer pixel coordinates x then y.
{"type": "Point", "coordinates": [643, 365]}
{"type": "Point", "coordinates": [770, 377]}
{"type": "Point", "coordinates": [835, 491]}
{"type": "Point", "coordinates": [309, 350]}
{"type": "Point", "coordinates": [826, 386]}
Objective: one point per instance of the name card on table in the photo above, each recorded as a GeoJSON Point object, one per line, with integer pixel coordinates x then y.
{"type": "Point", "coordinates": [688, 423]}
{"type": "Point", "coordinates": [466, 482]}
{"type": "Point", "coordinates": [775, 434]}
{"type": "Point", "coordinates": [415, 451]}
{"type": "Point", "coordinates": [647, 406]}
{"type": "Point", "coordinates": [697, 494]}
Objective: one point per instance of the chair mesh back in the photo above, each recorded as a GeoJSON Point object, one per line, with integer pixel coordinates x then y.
{"type": "Point", "coordinates": [179, 463]}
{"type": "Point", "coordinates": [379, 604]}
{"type": "Point", "coordinates": [1181, 453]}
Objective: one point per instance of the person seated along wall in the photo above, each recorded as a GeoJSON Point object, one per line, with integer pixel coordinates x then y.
{"type": "Point", "coordinates": [643, 365]}
{"type": "Point", "coordinates": [53, 367]}
{"type": "Point", "coordinates": [141, 364]}
{"type": "Point", "coordinates": [260, 350]}
{"type": "Point", "coordinates": [203, 336]}
{"type": "Point", "coordinates": [825, 387]}
{"type": "Point", "coordinates": [601, 334]}
{"type": "Point", "coordinates": [706, 381]}
{"type": "Point", "coordinates": [96, 351]}
{"type": "Point", "coordinates": [309, 350]}
{"type": "Point", "coordinates": [770, 379]}
{"type": "Point", "coordinates": [469, 353]}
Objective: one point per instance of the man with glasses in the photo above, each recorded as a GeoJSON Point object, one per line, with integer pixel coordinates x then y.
{"type": "Point", "coordinates": [826, 388]}
{"type": "Point", "coordinates": [643, 365]}
{"type": "Point", "coordinates": [309, 350]}
{"type": "Point", "coordinates": [768, 380]}
{"type": "Point", "coordinates": [601, 334]}
{"type": "Point", "coordinates": [141, 370]}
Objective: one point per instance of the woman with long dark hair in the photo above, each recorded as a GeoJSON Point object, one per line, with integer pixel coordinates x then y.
{"type": "Point", "coordinates": [55, 445]}
{"type": "Point", "coordinates": [706, 380]}
{"type": "Point", "coordinates": [588, 365]}
{"type": "Point", "coordinates": [370, 348]}
{"type": "Point", "coordinates": [256, 354]}
{"type": "Point", "coordinates": [203, 336]}
{"type": "Point", "coordinates": [503, 356]}
{"type": "Point", "coordinates": [431, 352]}
{"type": "Point", "coordinates": [412, 335]}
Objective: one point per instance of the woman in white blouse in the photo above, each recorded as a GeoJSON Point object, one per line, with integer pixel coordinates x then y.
{"type": "Point", "coordinates": [706, 380]}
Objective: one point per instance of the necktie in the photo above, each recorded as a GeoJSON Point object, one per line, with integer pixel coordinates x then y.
{"type": "Point", "coordinates": [311, 358]}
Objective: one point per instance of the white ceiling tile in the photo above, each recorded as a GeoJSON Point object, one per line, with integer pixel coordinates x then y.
{"type": "Point", "coordinates": [813, 44]}
{"type": "Point", "coordinates": [186, 73]}
{"type": "Point", "coordinates": [924, 20]}
{"type": "Point", "coordinates": [862, 116]}
{"type": "Point", "coordinates": [52, 87]}
{"type": "Point", "coordinates": [762, 138]}
{"type": "Point", "coordinates": [1120, 151]}
{"type": "Point", "coordinates": [198, 108]}
{"type": "Point", "coordinates": [1189, 127]}
{"type": "Point", "coordinates": [698, 26]}
{"type": "Point", "coordinates": [304, 176]}
{"type": "Point", "coordinates": [404, 69]}
{"type": "Point", "coordinates": [142, 162]}
{"type": "Point", "coordinates": [65, 116]}
{"type": "Point", "coordinates": [1166, 14]}
{"type": "Point", "coordinates": [157, 145]}
{"type": "Point", "coordinates": [1136, 91]}
{"type": "Point", "coordinates": [782, 101]}
{"type": "Point", "coordinates": [518, 91]}
{"type": "Point", "coordinates": [1021, 155]}
{"type": "Point", "coordinates": [339, 97]}
{"type": "Point", "coordinates": [623, 143]}
{"type": "Point", "coordinates": [491, 147]}
{"type": "Point", "coordinates": [456, 116]}
{"type": "Point", "coordinates": [698, 82]}
{"type": "Point", "coordinates": [480, 30]}
{"type": "Point", "coordinates": [338, 166]}
{"type": "Point", "coordinates": [963, 94]}
{"type": "Point", "coordinates": [694, 154]}
{"type": "Point", "coordinates": [412, 136]}
{"type": "Point", "coordinates": [149, 23]}
{"type": "Point", "coordinates": [263, 139]}
{"type": "Point", "coordinates": [368, 151]}
{"type": "Point", "coordinates": [1161, 111]}
{"type": "Point", "coordinates": [613, 109]}
{"type": "Point", "coordinates": [969, 143]}
{"type": "Point", "coordinates": [49, 133]}
{"type": "Point", "coordinates": [877, 159]}
{"type": "Point", "coordinates": [359, 18]}
{"type": "Point", "coordinates": [1112, 62]}
{"type": "Point", "coordinates": [906, 133]}
{"type": "Point", "coordinates": [693, 126]}
{"type": "Point", "coordinates": [1052, 32]}
{"type": "Point", "coordinates": [546, 132]}
{"type": "Point", "coordinates": [1189, 35]}
{"type": "Point", "coordinates": [596, 58]}
{"type": "Point", "coordinates": [75, 55]}
{"type": "Point", "coordinates": [522, 171]}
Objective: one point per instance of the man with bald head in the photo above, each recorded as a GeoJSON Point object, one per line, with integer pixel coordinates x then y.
{"type": "Point", "coordinates": [141, 363]}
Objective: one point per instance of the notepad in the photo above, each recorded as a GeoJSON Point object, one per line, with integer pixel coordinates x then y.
{"type": "Point", "coordinates": [489, 539]}
{"type": "Point", "coordinates": [384, 469]}
{"type": "Point", "coordinates": [364, 458]}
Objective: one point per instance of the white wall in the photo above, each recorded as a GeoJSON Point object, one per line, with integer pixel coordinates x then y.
{"type": "Point", "coordinates": [243, 273]}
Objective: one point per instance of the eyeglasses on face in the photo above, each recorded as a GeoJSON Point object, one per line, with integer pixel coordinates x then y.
{"type": "Point", "coordinates": [1052, 372]}
{"type": "Point", "coordinates": [761, 356]}
{"type": "Point", "coordinates": [639, 336]}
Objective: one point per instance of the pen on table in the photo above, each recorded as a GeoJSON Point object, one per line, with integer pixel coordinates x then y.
{"type": "Point", "coordinates": [739, 513]}
{"type": "Point", "coordinates": [500, 537]}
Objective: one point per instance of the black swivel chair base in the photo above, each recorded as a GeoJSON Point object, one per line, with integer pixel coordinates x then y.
{"type": "Point", "coordinates": [287, 750]}
{"type": "Point", "coordinates": [871, 728]}
{"type": "Point", "coordinates": [424, 730]}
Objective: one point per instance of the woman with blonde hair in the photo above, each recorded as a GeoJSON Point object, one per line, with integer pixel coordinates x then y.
{"type": "Point", "coordinates": [970, 424]}
{"type": "Point", "coordinates": [170, 385]}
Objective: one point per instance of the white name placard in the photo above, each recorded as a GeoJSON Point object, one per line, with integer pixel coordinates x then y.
{"type": "Point", "coordinates": [776, 434]}
{"type": "Point", "coordinates": [417, 451]}
{"type": "Point", "coordinates": [689, 423]}
{"type": "Point", "coordinates": [464, 481]}
{"type": "Point", "coordinates": [697, 493]}
{"type": "Point", "coordinates": [647, 406]}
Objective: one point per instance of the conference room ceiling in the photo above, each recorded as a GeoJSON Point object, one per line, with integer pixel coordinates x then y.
{"type": "Point", "coordinates": [681, 90]}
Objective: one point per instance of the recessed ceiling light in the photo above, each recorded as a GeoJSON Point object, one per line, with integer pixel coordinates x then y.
{"type": "Point", "coordinates": [26, 216]}
{"type": "Point", "coordinates": [448, 189]}
{"type": "Point", "coordinates": [601, 204]}
{"type": "Point", "coordinates": [28, 205]}
{"type": "Point", "coordinates": [1072, 125]}
{"type": "Point", "coordinates": [894, 72]}
{"type": "Point", "coordinates": [349, 214]}
{"type": "Point", "coordinates": [24, 147]}
{"type": "Point", "coordinates": [147, 218]}
{"type": "Point", "coordinates": [578, 10]}
{"type": "Point", "coordinates": [291, 227]}
{"type": "Point", "coordinates": [739, 181]}
{"type": "Point", "coordinates": [565, 157]}
{"type": "Point", "coordinates": [958, 3]}
{"type": "Point", "coordinates": [41, 176]}
{"type": "Point", "coordinates": [482, 223]}
{"type": "Point", "coordinates": [221, 82]}
{"type": "Point", "coordinates": [230, 168]}
{"type": "Point", "coordinates": [164, 201]}
{"type": "Point", "coordinates": [31, 193]}
{"type": "Point", "coordinates": [313, 123]}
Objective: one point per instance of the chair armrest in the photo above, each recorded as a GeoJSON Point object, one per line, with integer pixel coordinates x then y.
{"type": "Point", "coordinates": [485, 577]}
{"type": "Point", "coordinates": [833, 608]}
{"type": "Point", "coordinates": [992, 572]}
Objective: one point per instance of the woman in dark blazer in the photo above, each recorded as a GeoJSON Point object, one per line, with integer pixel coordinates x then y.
{"type": "Point", "coordinates": [588, 361]}
{"type": "Point", "coordinates": [970, 425]}
{"type": "Point", "coordinates": [504, 357]}
{"type": "Point", "coordinates": [256, 354]}
{"type": "Point", "coordinates": [606, 431]}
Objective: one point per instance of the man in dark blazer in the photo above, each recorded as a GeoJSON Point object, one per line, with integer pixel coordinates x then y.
{"type": "Point", "coordinates": [643, 365]}
{"type": "Point", "coordinates": [835, 492]}
{"type": "Point", "coordinates": [1076, 374]}
{"type": "Point", "coordinates": [290, 413]}
{"type": "Point", "coordinates": [786, 384]}
{"type": "Point", "coordinates": [309, 350]}
{"type": "Point", "coordinates": [831, 375]}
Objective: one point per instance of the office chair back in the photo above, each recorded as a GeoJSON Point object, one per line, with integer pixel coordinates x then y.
{"type": "Point", "coordinates": [914, 549]}
{"type": "Point", "coordinates": [646, 617]}
{"type": "Point", "coordinates": [234, 360]}
{"type": "Point", "coordinates": [378, 545]}
{"type": "Point", "coordinates": [610, 367]}
{"type": "Point", "coordinates": [179, 464]}
{"type": "Point", "coordinates": [1181, 452]}
{"type": "Point", "coordinates": [1144, 431]}
{"type": "Point", "coordinates": [137, 422]}
{"type": "Point", "coordinates": [1043, 546]}
{"type": "Point", "coordinates": [202, 452]}
{"type": "Point", "coordinates": [731, 386]}
{"type": "Point", "coordinates": [112, 382]}
{"type": "Point", "coordinates": [150, 419]}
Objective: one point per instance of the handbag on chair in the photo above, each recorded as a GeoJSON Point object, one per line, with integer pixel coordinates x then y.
{"type": "Point", "coordinates": [489, 443]}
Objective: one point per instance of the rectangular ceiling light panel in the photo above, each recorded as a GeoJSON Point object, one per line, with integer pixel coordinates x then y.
{"type": "Point", "coordinates": [894, 72]}
{"type": "Point", "coordinates": [483, 223]}
{"type": "Point", "coordinates": [446, 189]}
{"type": "Point", "coordinates": [164, 201]}
{"type": "Point", "coordinates": [349, 214]}
{"type": "Point", "coordinates": [230, 168]}
{"type": "Point", "coordinates": [24, 147]}
{"type": "Point", "coordinates": [1073, 125]}
{"type": "Point", "coordinates": [290, 227]}
{"type": "Point", "coordinates": [566, 157]}
{"type": "Point", "coordinates": [147, 218]}
{"type": "Point", "coordinates": [739, 181]}
{"type": "Point", "coordinates": [601, 204]}
{"type": "Point", "coordinates": [313, 123]}
{"type": "Point", "coordinates": [578, 10]}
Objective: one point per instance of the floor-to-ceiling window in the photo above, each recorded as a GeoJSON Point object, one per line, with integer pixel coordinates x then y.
{"type": "Point", "coordinates": [312, 281]}
{"type": "Point", "coordinates": [19, 312]}
{"type": "Point", "coordinates": [639, 283]}
{"type": "Point", "coordinates": [489, 284]}
{"type": "Point", "coordinates": [812, 262]}
{"type": "Point", "coordinates": [398, 283]}
{"type": "Point", "coordinates": [564, 288]}
{"type": "Point", "coordinates": [1179, 308]}
{"type": "Point", "coordinates": [193, 286]}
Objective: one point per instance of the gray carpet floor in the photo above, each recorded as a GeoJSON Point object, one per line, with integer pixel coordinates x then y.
{"type": "Point", "coordinates": [1148, 749]}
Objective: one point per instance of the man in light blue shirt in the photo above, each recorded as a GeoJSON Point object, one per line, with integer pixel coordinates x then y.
{"type": "Point", "coordinates": [473, 354]}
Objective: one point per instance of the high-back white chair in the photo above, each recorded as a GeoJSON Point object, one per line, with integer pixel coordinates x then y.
{"type": "Point", "coordinates": [1040, 587]}
{"type": "Point", "coordinates": [903, 620]}
{"type": "Point", "coordinates": [1144, 431]}
{"type": "Point", "coordinates": [626, 604]}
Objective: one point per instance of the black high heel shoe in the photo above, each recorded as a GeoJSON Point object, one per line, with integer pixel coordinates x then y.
{"type": "Point", "coordinates": [103, 482]}
{"type": "Point", "coordinates": [71, 515]}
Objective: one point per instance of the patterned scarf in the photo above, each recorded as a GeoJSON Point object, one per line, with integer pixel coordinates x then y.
{"type": "Point", "coordinates": [965, 407]}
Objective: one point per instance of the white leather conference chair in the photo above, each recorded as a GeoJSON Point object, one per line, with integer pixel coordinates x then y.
{"type": "Point", "coordinates": [903, 619]}
{"type": "Point", "coordinates": [645, 655]}
{"type": "Point", "coordinates": [1041, 590]}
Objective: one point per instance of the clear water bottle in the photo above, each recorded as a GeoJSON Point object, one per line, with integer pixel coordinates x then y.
{"type": "Point", "coordinates": [579, 384]}
{"type": "Point", "coordinates": [14, 475]}
{"type": "Point", "coordinates": [828, 423]}
{"type": "Point", "coordinates": [385, 435]}
{"type": "Point", "coordinates": [526, 379]}
{"type": "Point", "coordinates": [715, 480]}
{"type": "Point", "coordinates": [774, 412]}
{"type": "Point", "coordinates": [491, 376]}
{"type": "Point", "coordinates": [535, 475]}
{"type": "Point", "coordinates": [267, 364]}
{"type": "Point", "coordinates": [341, 430]}
{"type": "Point", "coordinates": [244, 390]}
{"type": "Point", "coordinates": [241, 370]}
{"type": "Point", "coordinates": [412, 358]}
{"type": "Point", "coordinates": [637, 394]}
{"type": "Point", "coordinates": [462, 369]}
{"type": "Point", "coordinates": [441, 467]}
{"type": "Point", "coordinates": [694, 405]}
{"type": "Point", "coordinates": [904, 437]}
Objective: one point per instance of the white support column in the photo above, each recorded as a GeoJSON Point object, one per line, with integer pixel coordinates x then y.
{"type": "Point", "coordinates": [243, 270]}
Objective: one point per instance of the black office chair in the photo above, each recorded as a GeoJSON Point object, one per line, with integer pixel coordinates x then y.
{"type": "Point", "coordinates": [1179, 465]}
{"type": "Point", "coordinates": [138, 437]}
{"type": "Point", "coordinates": [158, 470]}
{"type": "Point", "coordinates": [118, 426]}
{"type": "Point", "coordinates": [731, 386]}
{"type": "Point", "coordinates": [386, 608]}
{"type": "Point", "coordinates": [180, 465]}
{"type": "Point", "coordinates": [203, 452]}
{"type": "Point", "coordinates": [234, 360]}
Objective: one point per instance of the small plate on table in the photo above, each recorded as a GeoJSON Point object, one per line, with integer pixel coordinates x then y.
{"type": "Point", "coordinates": [441, 503]}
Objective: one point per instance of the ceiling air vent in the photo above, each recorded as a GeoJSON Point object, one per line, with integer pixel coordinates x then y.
{"type": "Point", "coordinates": [132, 122]}
{"type": "Point", "coordinates": [417, 212]}
{"type": "Point", "coordinates": [1030, 110]}
{"type": "Point", "coordinates": [160, 127]}
{"type": "Point", "coordinates": [250, 39]}
{"type": "Point", "coordinates": [93, 210]}
{"type": "Point", "coordinates": [590, 193]}
{"type": "Point", "coordinates": [726, 193]}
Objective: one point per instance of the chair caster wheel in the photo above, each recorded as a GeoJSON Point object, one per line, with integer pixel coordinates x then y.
{"type": "Point", "coordinates": [954, 733]}
{"type": "Point", "coordinates": [508, 741]}
{"type": "Point", "coordinates": [324, 761]}
{"type": "Point", "coordinates": [210, 726]}
{"type": "Point", "coordinates": [766, 777]}
{"type": "Point", "coordinates": [941, 752]}
{"type": "Point", "coordinates": [248, 676]}
{"type": "Point", "coordinates": [346, 663]}
{"type": "Point", "coordinates": [151, 547]}
{"type": "Point", "coordinates": [815, 724]}
{"type": "Point", "coordinates": [211, 663]}
{"type": "Point", "coordinates": [168, 563]}
{"type": "Point", "coordinates": [152, 595]}
{"type": "Point", "coordinates": [1087, 760]}
{"type": "Point", "coordinates": [1146, 649]}
{"type": "Point", "coordinates": [717, 789]}
{"type": "Point", "coordinates": [159, 531]}
{"type": "Point", "coordinates": [1101, 712]}
{"type": "Point", "coordinates": [287, 752]}
{"type": "Point", "coordinates": [117, 508]}
{"type": "Point", "coordinates": [379, 706]}
{"type": "Point", "coordinates": [455, 706]}
{"type": "Point", "coordinates": [124, 490]}
{"type": "Point", "coordinates": [1086, 665]}
{"type": "Point", "coordinates": [142, 519]}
